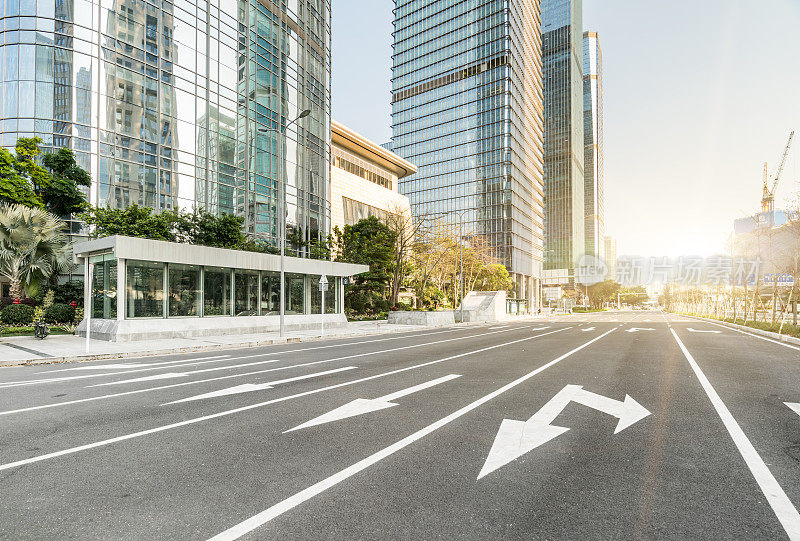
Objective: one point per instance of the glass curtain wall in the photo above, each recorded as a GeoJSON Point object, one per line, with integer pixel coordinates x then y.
{"type": "Point", "coordinates": [177, 104]}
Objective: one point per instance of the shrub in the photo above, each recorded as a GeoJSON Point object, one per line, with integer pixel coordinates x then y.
{"type": "Point", "coordinates": [59, 313]}
{"type": "Point", "coordinates": [69, 291]}
{"type": "Point", "coordinates": [17, 314]}
{"type": "Point", "coordinates": [7, 301]}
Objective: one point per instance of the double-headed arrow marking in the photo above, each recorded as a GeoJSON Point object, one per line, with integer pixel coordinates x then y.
{"type": "Point", "coordinates": [515, 438]}
{"type": "Point", "coordinates": [361, 406]}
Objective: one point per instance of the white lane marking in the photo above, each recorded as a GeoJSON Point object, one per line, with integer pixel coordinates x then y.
{"type": "Point", "coordinates": [360, 406]}
{"type": "Point", "coordinates": [587, 329]}
{"type": "Point", "coordinates": [170, 375]}
{"type": "Point", "coordinates": [516, 438]}
{"type": "Point", "coordinates": [250, 387]}
{"type": "Point", "coordinates": [784, 344]}
{"type": "Point", "coordinates": [290, 503]}
{"type": "Point", "coordinates": [499, 327]}
{"type": "Point", "coordinates": [701, 330]}
{"type": "Point", "coordinates": [781, 504]}
{"type": "Point", "coordinates": [199, 360]}
{"type": "Point", "coordinates": [638, 329]}
{"type": "Point", "coordinates": [233, 346]}
{"type": "Point", "coordinates": [539, 329]}
{"type": "Point", "coordinates": [258, 405]}
{"type": "Point", "coordinates": [794, 406]}
{"type": "Point", "coordinates": [103, 367]}
{"type": "Point", "coordinates": [78, 401]}
{"type": "Point", "coordinates": [171, 386]}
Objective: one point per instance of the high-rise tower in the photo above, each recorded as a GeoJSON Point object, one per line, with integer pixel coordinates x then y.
{"type": "Point", "coordinates": [467, 110]}
{"type": "Point", "coordinates": [562, 53]}
{"type": "Point", "coordinates": [594, 194]}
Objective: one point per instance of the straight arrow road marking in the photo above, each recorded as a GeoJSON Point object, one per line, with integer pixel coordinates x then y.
{"type": "Point", "coordinates": [78, 401]}
{"type": "Point", "coordinates": [700, 330]}
{"type": "Point", "coordinates": [195, 420]}
{"type": "Point", "coordinates": [250, 524]}
{"type": "Point", "coordinates": [637, 329]}
{"type": "Point", "coordinates": [516, 438]}
{"type": "Point", "coordinates": [781, 504]}
{"type": "Point", "coordinates": [361, 406]}
{"type": "Point", "coordinates": [250, 387]}
{"type": "Point", "coordinates": [539, 329]}
{"type": "Point", "coordinates": [587, 329]}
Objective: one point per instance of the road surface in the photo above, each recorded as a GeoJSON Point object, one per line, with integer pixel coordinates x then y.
{"type": "Point", "coordinates": [619, 425]}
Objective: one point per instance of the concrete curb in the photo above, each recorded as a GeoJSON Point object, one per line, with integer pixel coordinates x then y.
{"type": "Point", "coordinates": [217, 347]}
{"type": "Point", "coordinates": [751, 330]}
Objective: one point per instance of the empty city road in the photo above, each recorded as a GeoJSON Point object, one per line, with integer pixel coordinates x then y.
{"type": "Point", "coordinates": [619, 425]}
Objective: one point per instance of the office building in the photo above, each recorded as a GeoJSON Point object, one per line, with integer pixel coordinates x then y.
{"type": "Point", "coordinates": [180, 105]}
{"type": "Point", "coordinates": [610, 256]}
{"type": "Point", "coordinates": [593, 179]}
{"type": "Point", "coordinates": [562, 59]}
{"type": "Point", "coordinates": [467, 111]}
{"type": "Point", "coordinates": [364, 179]}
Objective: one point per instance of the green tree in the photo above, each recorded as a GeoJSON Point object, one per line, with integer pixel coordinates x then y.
{"type": "Point", "coordinates": [133, 221]}
{"type": "Point", "coordinates": [368, 242]}
{"type": "Point", "coordinates": [603, 292]}
{"type": "Point", "coordinates": [494, 277]}
{"type": "Point", "coordinates": [33, 246]}
{"type": "Point", "coordinates": [62, 195]}
{"type": "Point", "coordinates": [52, 186]}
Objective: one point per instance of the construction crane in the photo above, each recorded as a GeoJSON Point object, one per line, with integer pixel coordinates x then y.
{"type": "Point", "coordinates": [768, 196]}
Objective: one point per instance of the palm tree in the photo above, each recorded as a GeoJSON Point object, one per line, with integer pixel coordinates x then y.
{"type": "Point", "coordinates": [33, 245]}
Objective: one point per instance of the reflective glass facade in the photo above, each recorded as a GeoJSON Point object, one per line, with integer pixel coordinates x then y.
{"type": "Point", "coordinates": [467, 110]}
{"type": "Point", "coordinates": [176, 105]}
{"type": "Point", "coordinates": [593, 181]}
{"type": "Point", "coordinates": [562, 54]}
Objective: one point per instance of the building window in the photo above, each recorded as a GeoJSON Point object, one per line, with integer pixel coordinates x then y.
{"type": "Point", "coordinates": [270, 293]}
{"type": "Point", "coordinates": [245, 291]}
{"type": "Point", "coordinates": [184, 291]}
{"type": "Point", "coordinates": [216, 291]}
{"type": "Point", "coordinates": [295, 291]}
{"type": "Point", "coordinates": [145, 289]}
{"type": "Point", "coordinates": [104, 287]}
{"type": "Point", "coordinates": [330, 295]}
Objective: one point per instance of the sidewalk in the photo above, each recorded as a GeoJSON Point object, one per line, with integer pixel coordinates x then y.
{"type": "Point", "coordinates": [18, 350]}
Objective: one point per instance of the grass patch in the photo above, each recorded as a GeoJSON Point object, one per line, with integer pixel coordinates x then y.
{"type": "Point", "coordinates": [28, 331]}
{"type": "Point", "coordinates": [788, 328]}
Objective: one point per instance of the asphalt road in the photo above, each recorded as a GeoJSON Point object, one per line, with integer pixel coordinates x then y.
{"type": "Point", "coordinates": [620, 425]}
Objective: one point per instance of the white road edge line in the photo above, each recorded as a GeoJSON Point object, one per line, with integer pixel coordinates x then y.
{"type": "Point", "coordinates": [132, 435]}
{"type": "Point", "coordinates": [290, 503]}
{"type": "Point", "coordinates": [781, 504]}
{"type": "Point", "coordinates": [91, 399]}
{"type": "Point", "coordinates": [754, 335]}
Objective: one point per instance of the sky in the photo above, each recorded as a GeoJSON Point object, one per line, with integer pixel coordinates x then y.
{"type": "Point", "coordinates": [697, 96]}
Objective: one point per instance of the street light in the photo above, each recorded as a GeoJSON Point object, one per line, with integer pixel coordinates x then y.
{"type": "Point", "coordinates": [282, 222]}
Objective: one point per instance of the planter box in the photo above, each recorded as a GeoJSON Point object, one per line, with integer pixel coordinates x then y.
{"type": "Point", "coordinates": [430, 319]}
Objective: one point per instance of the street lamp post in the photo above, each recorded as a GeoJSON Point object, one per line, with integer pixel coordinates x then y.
{"type": "Point", "coordinates": [282, 221]}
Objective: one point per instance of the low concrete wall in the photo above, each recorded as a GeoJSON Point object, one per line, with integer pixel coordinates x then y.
{"type": "Point", "coordinates": [444, 317]}
{"type": "Point", "coordinates": [488, 306]}
{"type": "Point", "coordinates": [129, 330]}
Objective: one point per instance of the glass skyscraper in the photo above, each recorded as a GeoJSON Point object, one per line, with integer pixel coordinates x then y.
{"type": "Point", "coordinates": [179, 105]}
{"type": "Point", "coordinates": [467, 110]}
{"type": "Point", "coordinates": [562, 54]}
{"type": "Point", "coordinates": [594, 196]}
